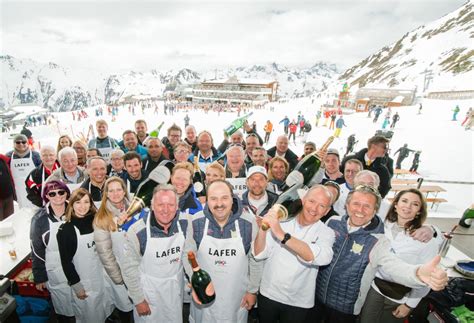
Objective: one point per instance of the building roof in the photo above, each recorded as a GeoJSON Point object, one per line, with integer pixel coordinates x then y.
{"type": "Point", "coordinates": [398, 99]}
{"type": "Point", "coordinates": [235, 80]}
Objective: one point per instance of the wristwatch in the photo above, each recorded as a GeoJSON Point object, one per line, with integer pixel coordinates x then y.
{"type": "Point", "coordinates": [286, 237]}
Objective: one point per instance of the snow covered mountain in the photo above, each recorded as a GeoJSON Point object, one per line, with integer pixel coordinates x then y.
{"type": "Point", "coordinates": [443, 49]}
{"type": "Point", "coordinates": [60, 89]}
{"type": "Point", "coordinates": [48, 85]}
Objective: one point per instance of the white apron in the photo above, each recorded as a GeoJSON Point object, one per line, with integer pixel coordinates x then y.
{"type": "Point", "coordinates": [97, 306]}
{"type": "Point", "coordinates": [162, 277]}
{"type": "Point", "coordinates": [229, 276]}
{"type": "Point", "coordinates": [73, 186]}
{"type": "Point", "coordinates": [96, 203]}
{"type": "Point", "coordinates": [106, 151]}
{"type": "Point", "coordinates": [118, 293]}
{"type": "Point", "coordinates": [21, 168]}
{"type": "Point", "coordinates": [61, 292]}
{"type": "Point", "coordinates": [203, 165]}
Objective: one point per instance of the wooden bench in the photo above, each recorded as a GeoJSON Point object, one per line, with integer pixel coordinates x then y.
{"type": "Point", "coordinates": [433, 200]}
{"type": "Point", "coordinates": [403, 172]}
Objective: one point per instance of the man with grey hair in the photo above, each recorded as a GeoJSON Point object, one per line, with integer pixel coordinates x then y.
{"type": "Point", "coordinates": [293, 250]}
{"type": "Point", "coordinates": [235, 165]}
{"type": "Point", "coordinates": [69, 172]}
{"type": "Point", "coordinates": [39, 175]}
{"type": "Point", "coordinates": [191, 136]}
{"type": "Point", "coordinates": [153, 259]}
{"type": "Point", "coordinates": [22, 161]}
{"type": "Point", "coordinates": [117, 165]}
{"type": "Point", "coordinates": [97, 170]}
{"type": "Point", "coordinates": [360, 249]}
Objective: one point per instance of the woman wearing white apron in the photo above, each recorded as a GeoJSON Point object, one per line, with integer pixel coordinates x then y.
{"type": "Point", "coordinates": [22, 162]}
{"type": "Point", "coordinates": [225, 258]}
{"type": "Point", "coordinates": [80, 262]}
{"type": "Point", "coordinates": [157, 291]}
{"type": "Point", "coordinates": [47, 269]}
{"type": "Point", "coordinates": [110, 238]}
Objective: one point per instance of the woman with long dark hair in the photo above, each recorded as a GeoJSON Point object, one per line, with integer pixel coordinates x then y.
{"type": "Point", "coordinates": [80, 261]}
{"type": "Point", "coordinates": [388, 301]}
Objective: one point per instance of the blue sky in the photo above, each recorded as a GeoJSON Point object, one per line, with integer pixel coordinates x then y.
{"type": "Point", "coordinates": [120, 35]}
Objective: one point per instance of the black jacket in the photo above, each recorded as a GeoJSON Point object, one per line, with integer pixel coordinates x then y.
{"type": "Point", "coordinates": [378, 166]}
{"type": "Point", "coordinates": [290, 157]}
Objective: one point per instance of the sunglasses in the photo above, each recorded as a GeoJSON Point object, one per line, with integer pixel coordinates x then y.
{"type": "Point", "coordinates": [53, 194]}
{"type": "Point", "coordinates": [20, 142]}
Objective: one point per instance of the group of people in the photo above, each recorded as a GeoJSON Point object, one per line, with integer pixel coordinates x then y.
{"type": "Point", "coordinates": [346, 252]}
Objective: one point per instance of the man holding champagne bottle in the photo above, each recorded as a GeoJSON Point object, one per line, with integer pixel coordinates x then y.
{"type": "Point", "coordinates": [221, 236]}
{"type": "Point", "coordinates": [293, 250]}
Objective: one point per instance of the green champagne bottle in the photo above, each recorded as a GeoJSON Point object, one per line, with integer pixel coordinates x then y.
{"type": "Point", "coordinates": [201, 281]}
{"type": "Point", "coordinates": [155, 133]}
{"type": "Point", "coordinates": [236, 124]}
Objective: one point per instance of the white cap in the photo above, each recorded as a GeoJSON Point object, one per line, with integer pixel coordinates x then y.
{"type": "Point", "coordinates": [257, 169]}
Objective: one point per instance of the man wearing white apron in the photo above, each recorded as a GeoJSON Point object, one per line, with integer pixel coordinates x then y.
{"type": "Point", "coordinates": [22, 162]}
{"type": "Point", "coordinates": [152, 268]}
{"type": "Point", "coordinates": [69, 173]}
{"type": "Point", "coordinates": [222, 234]}
{"type": "Point", "coordinates": [103, 142]}
{"type": "Point", "coordinates": [205, 150]}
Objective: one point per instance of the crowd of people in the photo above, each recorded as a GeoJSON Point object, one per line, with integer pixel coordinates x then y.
{"type": "Point", "coordinates": [346, 253]}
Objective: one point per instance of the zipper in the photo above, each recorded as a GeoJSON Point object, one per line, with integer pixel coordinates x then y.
{"type": "Point", "coordinates": [330, 272]}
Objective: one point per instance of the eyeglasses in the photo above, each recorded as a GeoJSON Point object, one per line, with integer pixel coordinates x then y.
{"type": "Point", "coordinates": [181, 151]}
{"type": "Point", "coordinates": [20, 142]}
{"type": "Point", "coordinates": [53, 194]}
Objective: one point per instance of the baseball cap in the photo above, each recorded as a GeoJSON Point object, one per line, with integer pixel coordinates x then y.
{"type": "Point", "coordinates": [333, 151]}
{"type": "Point", "coordinates": [257, 169]}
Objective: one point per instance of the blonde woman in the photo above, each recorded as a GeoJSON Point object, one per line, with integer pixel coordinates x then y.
{"type": "Point", "coordinates": [63, 141]}
{"type": "Point", "coordinates": [109, 238]}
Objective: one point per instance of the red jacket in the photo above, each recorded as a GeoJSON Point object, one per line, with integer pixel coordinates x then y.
{"type": "Point", "coordinates": [292, 127]}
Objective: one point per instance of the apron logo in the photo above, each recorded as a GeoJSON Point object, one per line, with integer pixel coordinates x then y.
{"type": "Point", "coordinates": [223, 252]}
{"type": "Point", "coordinates": [221, 263]}
{"type": "Point", "coordinates": [166, 253]}
{"type": "Point", "coordinates": [91, 244]}
{"type": "Point", "coordinates": [21, 164]}
{"type": "Point", "coordinates": [174, 260]}
{"type": "Point", "coordinates": [357, 248]}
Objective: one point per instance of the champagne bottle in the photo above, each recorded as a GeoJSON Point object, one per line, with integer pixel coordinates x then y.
{"type": "Point", "coordinates": [155, 133]}
{"type": "Point", "coordinates": [236, 124]}
{"type": "Point", "coordinates": [197, 178]}
{"type": "Point", "coordinates": [310, 164]}
{"type": "Point", "coordinates": [467, 217]}
{"type": "Point", "coordinates": [201, 281]}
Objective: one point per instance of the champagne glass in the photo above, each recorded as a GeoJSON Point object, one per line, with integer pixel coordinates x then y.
{"type": "Point", "coordinates": [282, 214]}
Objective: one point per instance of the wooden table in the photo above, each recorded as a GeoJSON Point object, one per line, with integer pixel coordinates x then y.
{"type": "Point", "coordinates": [401, 181]}
{"type": "Point", "coordinates": [397, 172]}
{"type": "Point", "coordinates": [427, 189]}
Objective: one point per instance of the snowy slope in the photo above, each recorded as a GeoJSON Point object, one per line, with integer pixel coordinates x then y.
{"type": "Point", "coordinates": [445, 47]}
{"type": "Point", "coordinates": [447, 149]}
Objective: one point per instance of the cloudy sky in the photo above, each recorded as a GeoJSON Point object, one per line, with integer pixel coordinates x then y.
{"type": "Point", "coordinates": [121, 35]}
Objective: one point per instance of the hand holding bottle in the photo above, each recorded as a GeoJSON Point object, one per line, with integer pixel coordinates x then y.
{"type": "Point", "coordinates": [248, 301]}
{"type": "Point", "coordinates": [271, 220]}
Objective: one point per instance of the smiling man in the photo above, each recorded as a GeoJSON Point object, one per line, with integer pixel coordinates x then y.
{"type": "Point", "coordinates": [293, 250]}
{"type": "Point", "coordinates": [97, 170]}
{"type": "Point", "coordinates": [360, 249]}
{"type": "Point", "coordinates": [221, 236]}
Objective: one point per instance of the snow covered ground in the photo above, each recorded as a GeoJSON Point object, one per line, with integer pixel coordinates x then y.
{"type": "Point", "coordinates": [447, 149]}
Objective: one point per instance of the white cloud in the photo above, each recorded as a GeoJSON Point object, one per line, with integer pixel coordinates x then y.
{"type": "Point", "coordinates": [114, 36]}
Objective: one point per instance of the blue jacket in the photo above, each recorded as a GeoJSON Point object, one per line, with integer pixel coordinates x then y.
{"type": "Point", "coordinates": [142, 151]}
{"type": "Point", "coordinates": [340, 123]}
{"type": "Point", "coordinates": [285, 122]}
{"type": "Point", "coordinates": [338, 284]}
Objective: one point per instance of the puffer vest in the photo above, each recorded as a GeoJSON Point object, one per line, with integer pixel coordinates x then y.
{"type": "Point", "coordinates": [338, 284]}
